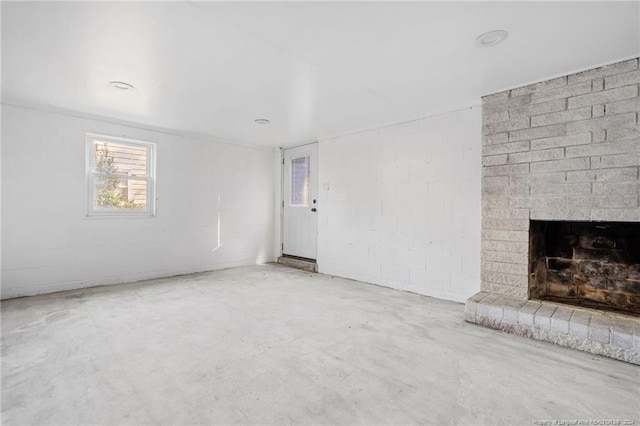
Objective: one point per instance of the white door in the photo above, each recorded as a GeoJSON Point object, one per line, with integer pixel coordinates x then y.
{"type": "Point", "coordinates": [300, 195]}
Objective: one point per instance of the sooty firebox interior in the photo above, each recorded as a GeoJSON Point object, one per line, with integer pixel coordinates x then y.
{"type": "Point", "coordinates": [591, 264]}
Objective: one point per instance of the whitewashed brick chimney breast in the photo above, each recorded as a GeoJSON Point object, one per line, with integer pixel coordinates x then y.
{"type": "Point", "coordinates": [566, 149]}
{"type": "Point", "coordinates": [563, 149]}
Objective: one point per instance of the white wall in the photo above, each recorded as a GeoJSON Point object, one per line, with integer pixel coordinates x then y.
{"type": "Point", "coordinates": [48, 244]}
{"type": "Point", "coordinates": [400, 206]}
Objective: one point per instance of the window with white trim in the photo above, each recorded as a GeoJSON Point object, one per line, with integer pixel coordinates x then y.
{"type": "Point", "coordinates": [121, 177]}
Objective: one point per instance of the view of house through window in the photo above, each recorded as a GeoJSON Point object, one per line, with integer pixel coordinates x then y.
{"type": "Point", "coordinates": [120, 176]}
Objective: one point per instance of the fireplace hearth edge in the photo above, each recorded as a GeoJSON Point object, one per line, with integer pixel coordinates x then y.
{"type": "Point", "coordinates": [607, 334]}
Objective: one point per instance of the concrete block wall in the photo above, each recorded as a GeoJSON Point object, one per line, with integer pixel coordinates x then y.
{"type": "Point", "coordinates": [563, 149]}
{"type": "Point", "coordinates": [400, 206]}
{"type": "Point", "coordinates": [215, 207]}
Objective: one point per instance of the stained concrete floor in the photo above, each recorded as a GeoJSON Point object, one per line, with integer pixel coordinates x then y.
{"type": "Point", "coordinates": [269, 344]}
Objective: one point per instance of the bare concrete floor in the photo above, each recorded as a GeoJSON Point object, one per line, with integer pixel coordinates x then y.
{"type": "Point", "coordinates": [269, 344]}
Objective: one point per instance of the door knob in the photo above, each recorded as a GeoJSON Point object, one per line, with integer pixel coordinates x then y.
{"type": "Point", "coordinates": [314, 209]}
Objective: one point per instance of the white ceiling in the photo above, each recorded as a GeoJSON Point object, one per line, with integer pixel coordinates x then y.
{"type": "Point", "coordinates": [314, 69]}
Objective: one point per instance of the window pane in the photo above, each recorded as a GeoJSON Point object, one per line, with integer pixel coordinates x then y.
{"type": "Point", "coordinates": [118, 158]}
{"type": "Point", "coordinates": [300, 181]}
{"type": "Point", "coordinates": [114, 193]}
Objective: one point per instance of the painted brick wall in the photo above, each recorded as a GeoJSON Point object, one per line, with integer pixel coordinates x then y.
{"type": "Point", "coordinates": [400, 206]}
{"type": "Point", "coordinates": [563, 149]}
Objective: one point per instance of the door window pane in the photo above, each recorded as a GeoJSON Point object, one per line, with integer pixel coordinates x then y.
{"type": "Point", "coordinates": [300, 181]}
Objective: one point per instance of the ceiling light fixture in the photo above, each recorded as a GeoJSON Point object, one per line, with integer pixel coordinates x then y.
{"type": "Point", "coordinates": [262, 121]}
{"type": "Point", "coordinates": [121, 85]}
{"type": "Point", "coordinates": [491, 38]}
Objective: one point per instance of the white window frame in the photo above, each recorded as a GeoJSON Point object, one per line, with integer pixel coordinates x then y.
{"type": "Point", "coordinates": [150, 210]}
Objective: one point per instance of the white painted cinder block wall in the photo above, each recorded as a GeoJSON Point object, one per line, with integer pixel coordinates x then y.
{"type": "Point", "coordinates": [400, 206]}
{"type": "Point", "coordinates": [48, 244]}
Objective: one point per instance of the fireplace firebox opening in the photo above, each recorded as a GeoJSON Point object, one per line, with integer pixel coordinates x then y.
{"type": "Point", "coordinates": [590, 264]}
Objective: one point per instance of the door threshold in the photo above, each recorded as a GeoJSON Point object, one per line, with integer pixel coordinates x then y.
{"type": "Point", "coordinates": [298, 262]}
{"type": "Point", "coordinates": [304, 259]}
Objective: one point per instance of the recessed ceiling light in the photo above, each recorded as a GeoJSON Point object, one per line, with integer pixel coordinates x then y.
{"type": "Point", "coordinates": [121, 85]}
{"type": "Point", "coordinates": [491, 38]}
{"type": "Point", "coordinates": [262, 121]}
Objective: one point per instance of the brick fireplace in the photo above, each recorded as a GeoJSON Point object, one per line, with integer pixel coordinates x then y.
{"type": "Point", "coordinates": [561, 211]}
